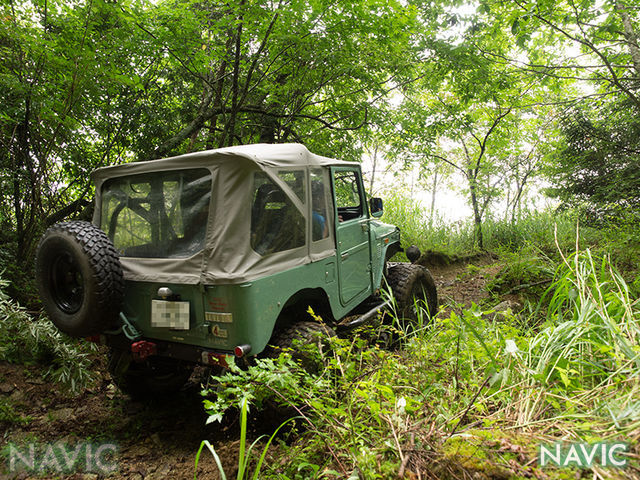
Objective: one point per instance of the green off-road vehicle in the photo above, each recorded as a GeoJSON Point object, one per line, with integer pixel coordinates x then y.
{"type": "Point", "coordinates": [195, 258]}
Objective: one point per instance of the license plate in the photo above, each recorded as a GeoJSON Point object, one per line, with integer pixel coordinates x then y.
{"type": "Point", "coordinates": [166, 314]}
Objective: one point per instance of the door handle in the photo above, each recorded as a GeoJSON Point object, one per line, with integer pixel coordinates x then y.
{"type": "Point", "coordinates": [365, 226]}
{"type": "Point", "coordinates": [344, 256]}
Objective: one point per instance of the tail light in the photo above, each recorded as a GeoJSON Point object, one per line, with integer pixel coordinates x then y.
{"type": "Point", "coordinates": [241, 350]}
{"type": "Point", "coordinates": [143, 349]}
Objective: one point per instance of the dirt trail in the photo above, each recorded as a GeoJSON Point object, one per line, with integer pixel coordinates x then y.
{"type": "Point", "coordinates": [461, 282]}
{"type": "Point", "coordinates": [159, 440]}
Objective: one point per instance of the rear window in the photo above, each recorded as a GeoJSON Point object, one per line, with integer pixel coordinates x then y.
{"type": "Point", "coordinates": [158, 214]}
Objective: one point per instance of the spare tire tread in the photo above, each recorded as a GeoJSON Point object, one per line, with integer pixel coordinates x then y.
{"type": "Point", "coordinates": [104, 287]}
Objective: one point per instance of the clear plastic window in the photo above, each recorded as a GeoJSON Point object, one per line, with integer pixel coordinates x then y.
{"type": "Point", "coordinates": [295, 181]}
{"type": "Point", "coordinates": [319, 219]}
{"type": "Point", "coordinates": [276, 224]}
{"type": "Point", "coordinates": [158, 214]}
{"type": "Point", "coordinates": [347, 191]}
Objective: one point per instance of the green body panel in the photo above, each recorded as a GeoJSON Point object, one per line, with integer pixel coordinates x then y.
{"type": "Point", "coordinates": [353, 247]}
{"type": "Point", "coordinates": [383, 236]}
{"type": "Point", "coordinates": [354, 259]}
{"type": "Point", "coordinates": [254, 306]}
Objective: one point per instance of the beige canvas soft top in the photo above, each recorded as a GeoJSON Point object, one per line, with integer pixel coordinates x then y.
{"type": "Point", "coordinates": [227, 256]}
{"type": "Point", "coordinates": [263, 154]}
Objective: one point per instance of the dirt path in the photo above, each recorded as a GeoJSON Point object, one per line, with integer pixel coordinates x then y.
{"type": "Point", "coordinates": [158, 440]}
{"type": "Point", "coordinates": [462, 282]}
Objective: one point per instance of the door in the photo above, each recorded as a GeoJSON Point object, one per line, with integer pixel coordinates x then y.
{"type": "Point", "coordinates": [352, 234]}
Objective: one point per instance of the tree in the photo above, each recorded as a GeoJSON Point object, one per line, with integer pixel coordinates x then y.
{"type": "Point", "coordinates": [468, 111]}
{"type": "Point", "coordinates": [67, 107]}
{"type": "Point", "coordinates": [598, 166]}
{"type": "Point", "coordinates": [311, 72]}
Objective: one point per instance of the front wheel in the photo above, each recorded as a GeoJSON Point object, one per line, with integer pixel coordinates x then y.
{"type": "Point", "coordinates": [414, 289]}
{"type": "Point", "coordinates": [149, 378]}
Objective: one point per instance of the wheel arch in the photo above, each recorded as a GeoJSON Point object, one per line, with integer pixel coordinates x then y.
{"type": "Point", "coordinates": [297, 306]}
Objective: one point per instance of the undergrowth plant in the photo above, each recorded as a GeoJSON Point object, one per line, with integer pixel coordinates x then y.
{"type": "Point", "coordinates": [373, 413]}
{"type": "Point", "coordinates": [344, 408]}
{"type": "Point", "coordinates": [244, 454]}
{"type": "Point", "coordinates": [28, 340]}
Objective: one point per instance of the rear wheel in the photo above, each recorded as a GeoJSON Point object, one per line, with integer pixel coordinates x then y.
{"type": "Point", "coordinates": [414, 290]}
{"type": "Point", "coordinates": [149, 378]}
{"type": "Point", "coordinates": [296, 340]}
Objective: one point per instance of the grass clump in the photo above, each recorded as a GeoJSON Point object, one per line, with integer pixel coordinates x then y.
{"type": "Point", "coordinates": [527, 272]}
{"type": "Point", "coordinates": [26, 340]}
{"type": "Point", "coordinates": [417, 229]}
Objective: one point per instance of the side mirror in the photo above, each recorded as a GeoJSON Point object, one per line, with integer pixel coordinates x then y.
{"type": "Point", "coordinates": [375, 205]}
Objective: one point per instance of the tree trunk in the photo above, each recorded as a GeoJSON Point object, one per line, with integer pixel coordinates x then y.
{"type": "Point", "coordinates": [433, 196]}
{"type": "Point", "coordinates": [630, 36]}
{"type": "Point", "coordinates": [477, 215]}
{"type": "Point", "coordinates": [20, 154]}
{"type": "Point", "coordinates": [373, 170]}
{"type": "Point", "coordinates": [230, 128]}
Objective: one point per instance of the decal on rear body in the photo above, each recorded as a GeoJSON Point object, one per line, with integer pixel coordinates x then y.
{"type": "Point", "coordinates": [218, 317]}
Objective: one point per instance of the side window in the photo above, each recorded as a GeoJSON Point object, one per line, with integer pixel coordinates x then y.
{"type": "Point", "coordinates": [276, 224]}
{"type": "Point", "coordinates": [320, 225]}
{"type": "Point", "coordinates": [347, 191]}
{"type": "Point", "coordinates": [295, 181]}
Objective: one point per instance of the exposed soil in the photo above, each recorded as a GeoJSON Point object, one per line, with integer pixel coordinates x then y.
{"type": "Point", "coordinates": [160, 439]}
{"type": "Point", "coordinates": [462, 281]}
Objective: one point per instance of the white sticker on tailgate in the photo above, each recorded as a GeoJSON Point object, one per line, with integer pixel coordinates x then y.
{"type": "Point", "coordinates": [170, 314]}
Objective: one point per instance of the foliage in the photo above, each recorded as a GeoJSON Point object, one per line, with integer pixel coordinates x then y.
{"type": "Point", "coordinates": [572, 377]}
{"type": "Point", "coordinates": [244, 456]}
{"type": "Point", "coordinates": [8, 414]}
{"type": "Point", "coordinates": [25, 340]}
{"type": "Point", "coordinates": [598, 168]}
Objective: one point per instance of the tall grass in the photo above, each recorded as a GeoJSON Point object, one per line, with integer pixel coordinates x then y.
{"type": "Point", "coordinates": [417, 229]}
{"type": "Point", "coordinates": [539, 229]}
{"type": "Point", "coordinates": [243, 470]}
{"type": "Point", "coordinates": [588, 354]}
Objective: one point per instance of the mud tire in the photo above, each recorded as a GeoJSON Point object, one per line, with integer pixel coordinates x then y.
{"type": "Point", "coordinates": [410, 283]}
{"type": "Point", "coordinates": [297, 335]}
{"type": "Point", "coordinates": [149, 379]}
{"type": "Point", "coordinates": [79, 278]}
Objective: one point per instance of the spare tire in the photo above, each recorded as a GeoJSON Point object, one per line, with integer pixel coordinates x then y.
{"type": "Point", "coordinates": [79, 278]}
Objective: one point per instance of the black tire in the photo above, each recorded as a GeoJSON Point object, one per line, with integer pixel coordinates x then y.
{"type": "Point", "coordinates": [412, 286]}
{"type": "Point", "coordinates": [149, 379]}
{"type": "Point", "coordinates": [79, 277]}
{"type": "Point", "coordinates": [297, 335]}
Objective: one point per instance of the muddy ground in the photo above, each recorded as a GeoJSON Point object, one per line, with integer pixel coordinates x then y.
{"type": "Point", "coordinates": [159, 440]}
